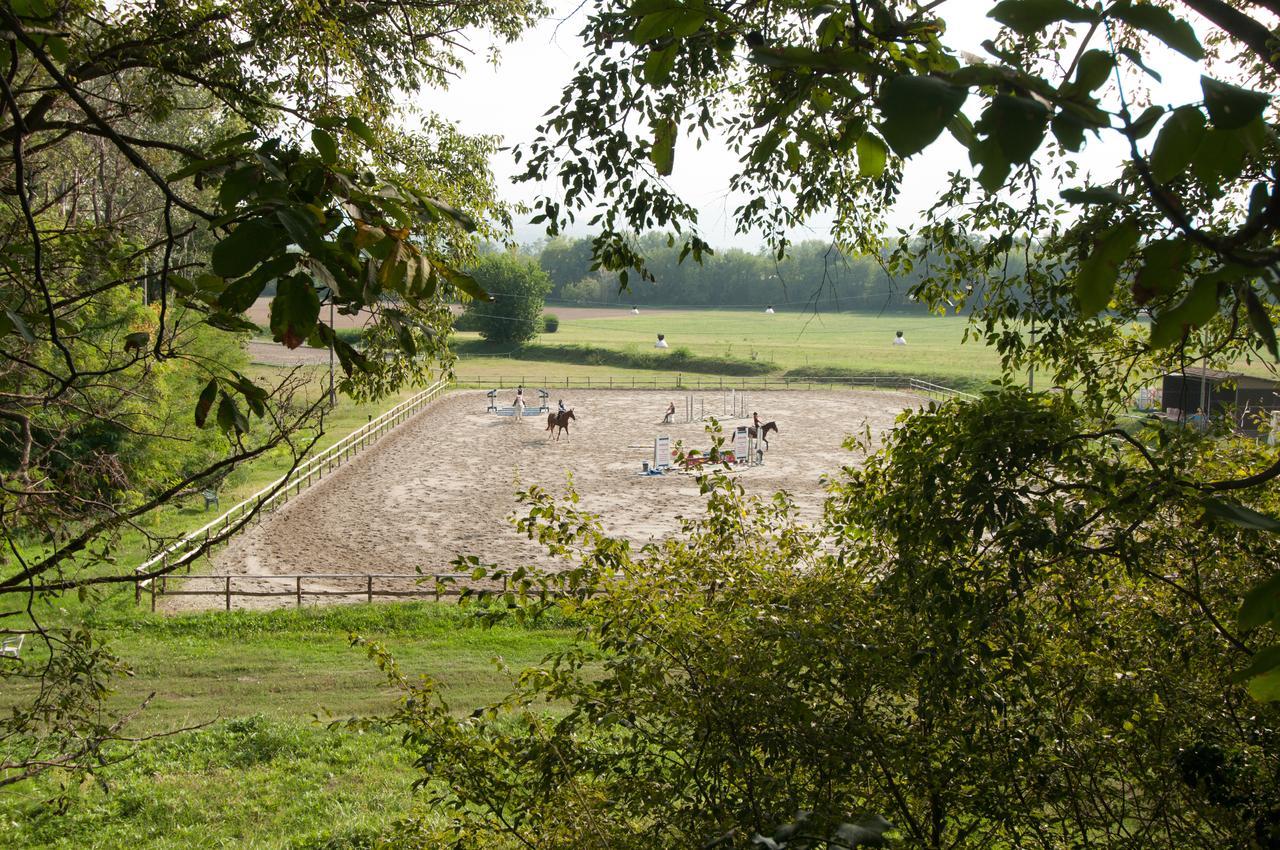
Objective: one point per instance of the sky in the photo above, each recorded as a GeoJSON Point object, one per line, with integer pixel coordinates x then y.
{"type": "Point", "coordinates": [509, 99]}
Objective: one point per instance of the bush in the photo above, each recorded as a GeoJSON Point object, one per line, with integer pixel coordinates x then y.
{"type": "Point", "coordinates": [550, 323]}
{"type": "Point", "coordinates": [937, 655]}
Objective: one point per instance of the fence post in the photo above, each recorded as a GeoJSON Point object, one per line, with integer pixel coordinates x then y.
{"type": "Point", "coordinates": [153, 595]}
{"type": "Point", "coordinates": [297, 581]}
{"type": "Point", "coordinates": [369, 587]}
{"type": "Point", "coordinates": [228, 593]}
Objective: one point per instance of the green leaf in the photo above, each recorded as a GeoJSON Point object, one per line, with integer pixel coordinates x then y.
{"type": "Point", "coordinates": [1219, 159]}
{"type": "Point", "coordinates": [871, 155]}
{"type": "Point", "coordinates": [294, 311]}
{"type": "Point", "coordinates": [1261, 604]}
{"type": "Point", "coordinates": [205, 403]}
{"type": "Point", "coordinates": [1266, 687]}
{"type": "Point", "coordinates": [658, 65]}
{"type": "Point", "coordinates": [240, 295]}
{"type": "Point", "coordinates": [1231, 107]}
{"type": "Point", "coordinates": [1160, 23]}
{"type": "Point", "coordinates": [1196, 308]}
{"type": "Point", "coordinates": [1092, 195]}
{"type": "Point", "coordinates": [1096, 278]}
{"type": "Point", "coordinates": [1136, 58]}
{"type": "Point", "coordinates": [663, 150]}
{"type": "Point", "coordinates": [227, 322]}
{"type": "Point", "coordinates": [1237, 514]}
{"type": "Point", "coordinates": [1092, 70]}
{"type": "Point", "coordinates": [198, 166]}
{"type": "Point", "coordinates": [995, 167]}
{"type": "Point", "coordinates": [464, 283]}
{"type": "Point", "coordinates": [1264, 660]}
{"type": "Point", "coordinates": [249, 244]}
{"type": "Point", "coordinates": [1017, 124]}
{"type": "Point", "coordinates": [361, 131]}
{"type": "Point", "coordinates": [1177, 143]}
{"type": "Point", "coordinates": [1146, 122]}
{"type": "Point", "coordinates": [1260, 321]}
{"type": "Point", "coordinates": [326, 145]}
{"type": "Point", "coordinates": [1163, 268]}
{"type": "Point", "coordinates": [916, 109]}
{"type": "Point", "coordinates": [1068, 129]}
{"type": "Point", "coordinates": [1030, 16]}
{"type": "Point", "coordinates": [236, 186]}
{"type": "Point", "coordinates": [229, 416]}
{"type": "Point", "coordinates": [678, 22]}
{"type": "Point", "coordinates": [17, 323]}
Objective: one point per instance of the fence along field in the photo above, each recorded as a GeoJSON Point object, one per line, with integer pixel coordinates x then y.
{"type": "Point", "coordinates": [443, 483]}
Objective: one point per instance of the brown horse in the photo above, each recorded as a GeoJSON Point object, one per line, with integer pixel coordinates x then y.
{"type": "Point", "coordinates": [560, 421]}
{"type": "Point", "coordinates": [764, 432]}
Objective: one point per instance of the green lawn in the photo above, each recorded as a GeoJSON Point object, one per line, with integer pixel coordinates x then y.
{"type": "Point", "coordinates": [795, 343]}
{"type": "Point", "coordinates": [268, 772]}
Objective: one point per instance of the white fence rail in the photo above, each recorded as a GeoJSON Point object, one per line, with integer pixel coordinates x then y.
{"type": "Point", "coordinates": [715, 382]}
{"type": "Point", "coordinates": [184, 551]}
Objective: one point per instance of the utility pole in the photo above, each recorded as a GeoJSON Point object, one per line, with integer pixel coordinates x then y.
{"type": "Point", "coordinates": [333, 397]}
{"type": "Point", "coordinates": [1031, 367]}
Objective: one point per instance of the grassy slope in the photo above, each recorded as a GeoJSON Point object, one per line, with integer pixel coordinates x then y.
{"type": "Point", "coordinates": [270, 776]}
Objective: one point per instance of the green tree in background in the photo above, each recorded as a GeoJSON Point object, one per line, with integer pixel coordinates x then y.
{"type": "Point", "coordinates": [517, 290]}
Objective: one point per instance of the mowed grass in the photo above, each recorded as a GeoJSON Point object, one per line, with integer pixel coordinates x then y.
{"type": "Point", "coordinates": [788, 342]}
{"type": "Point", "coordinates": [269, 771]}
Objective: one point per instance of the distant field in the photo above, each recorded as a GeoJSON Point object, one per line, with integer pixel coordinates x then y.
{"type": "Point", "coordinates": [786, 342]}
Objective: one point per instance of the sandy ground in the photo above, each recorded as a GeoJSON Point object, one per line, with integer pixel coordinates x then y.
{"type": "Point", "coordinates": [444, 483]}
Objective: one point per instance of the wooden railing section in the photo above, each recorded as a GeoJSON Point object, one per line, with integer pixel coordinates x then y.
{"type": "Point", "coordinates": [185, 551]}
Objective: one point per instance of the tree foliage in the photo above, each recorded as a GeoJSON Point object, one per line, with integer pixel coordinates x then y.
{"type": "Point", "coordinates": [1020, 660]}
{"type": "Point", "coordinates": [517, 290]}
{"type": "Point", "coordinates": [163, 164]}
{"type": "Point", "coordinates": [1025, 620]}
{"type": "Point", "coordinates": [1166, 262]}
{"type": "Point", "coordinates": [813, 275]}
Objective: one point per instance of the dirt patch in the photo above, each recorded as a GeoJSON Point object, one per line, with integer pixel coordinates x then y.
{"type": "Point", "coordinates": [444, 483]}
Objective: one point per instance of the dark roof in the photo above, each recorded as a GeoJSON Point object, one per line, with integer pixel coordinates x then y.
{"type": "Point", "coordinates": [1242, 381]}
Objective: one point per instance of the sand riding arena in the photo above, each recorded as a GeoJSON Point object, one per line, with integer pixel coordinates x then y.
{"type": "Point", "coordinates": [444, 484]}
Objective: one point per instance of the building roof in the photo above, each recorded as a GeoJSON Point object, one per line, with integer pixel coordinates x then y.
{"type": "Point", "coordinates": [1216, 376]}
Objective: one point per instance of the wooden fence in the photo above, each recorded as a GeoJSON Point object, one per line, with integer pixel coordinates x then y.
{"type": "Point", "coordinates": [364, 587]}
{"type": "Point", "coordinates": [184, 552]}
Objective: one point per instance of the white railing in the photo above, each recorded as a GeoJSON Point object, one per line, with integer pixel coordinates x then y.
{"type": "Point", "coordinates": [681, 381]}
{"type": "Point", "coordinates": [185, 551]}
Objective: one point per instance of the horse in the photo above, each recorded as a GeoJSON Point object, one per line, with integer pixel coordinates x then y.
{"type": "Point", "coordinates": [560, 421]}
{"type": "Point", "coordinates": [764, 432]}
{"type": "Point", "coordinates": [518, 407]}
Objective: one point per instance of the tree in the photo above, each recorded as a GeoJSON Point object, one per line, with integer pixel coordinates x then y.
{"type": "Point", "coordinates": [1028, 619]}
{"type": "Point", "coordinates": [164, 163]}
{"type": "Point", "coordinates": [827, 105]}
{"type": "Point", "coordinates": [517, 290]}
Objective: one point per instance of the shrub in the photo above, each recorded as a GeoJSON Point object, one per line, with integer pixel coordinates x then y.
{"type": "Point", "coordinates": [550, 323]}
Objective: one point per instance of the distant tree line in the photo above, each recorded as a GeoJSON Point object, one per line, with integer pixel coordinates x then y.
{"type": "Point", "coordinates": [816, 274]}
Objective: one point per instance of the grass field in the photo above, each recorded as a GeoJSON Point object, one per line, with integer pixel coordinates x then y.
{"type": "Point", "coordinates": [795, 343]}
{"type": "Point", "coordinates": [268, 772]}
